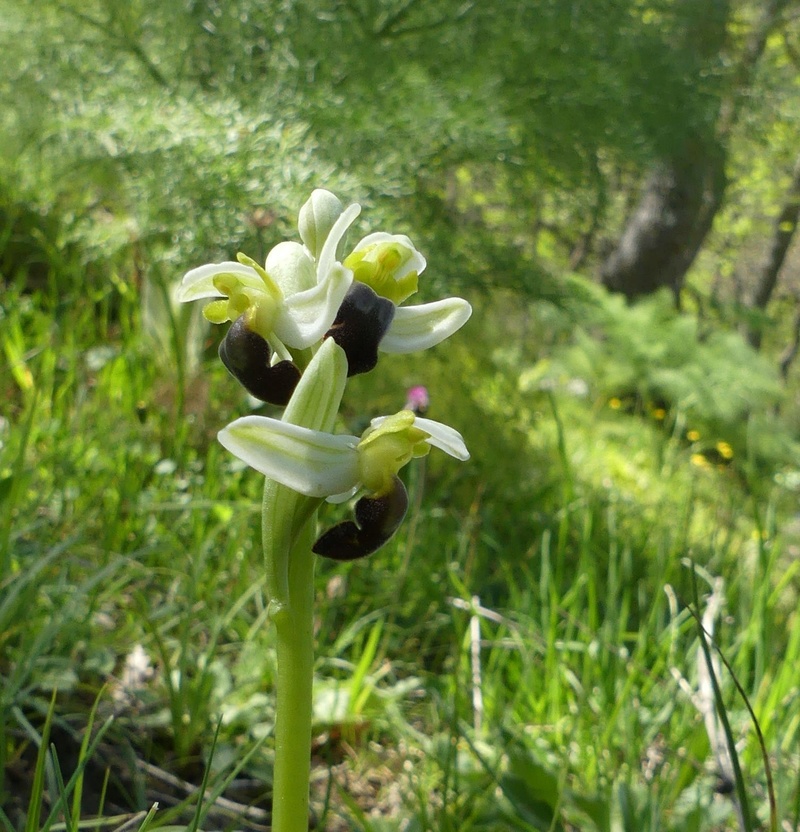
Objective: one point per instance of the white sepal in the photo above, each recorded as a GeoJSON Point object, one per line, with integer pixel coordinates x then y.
{"type": "Point", "coordinates": [310, 462]}
{"type": "Point", "coordinates": [420, 327]}
{"type": "Point", "coordinates": [316, 219]}
{"type": "Point", "coordinates": [444, 437]}
{"type": "Point", "coordinates": [337, 499]}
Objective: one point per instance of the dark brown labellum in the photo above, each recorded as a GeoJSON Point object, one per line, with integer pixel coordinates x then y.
{"type": "Point", "coordinates": [377, 519]}
{"type": "Point", "coordinates": [362, 320]}
{"type": "Point", "coordinates": [246, 355]}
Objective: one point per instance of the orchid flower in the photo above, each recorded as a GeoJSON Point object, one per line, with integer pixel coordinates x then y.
{"type": "Point", "coordinates": [386, 268]}
{"type": "Point", "coordinates": [336, 467]}
{"type": "Point", "coordinates": [305, 292]}
{"type": "Point", "coordinates": [288, 304]}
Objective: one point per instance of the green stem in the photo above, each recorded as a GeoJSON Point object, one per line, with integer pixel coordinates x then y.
{"type": "Point", "coordinates": [289, 526]}
{"type": "Point", "coordinates": [295, 633]}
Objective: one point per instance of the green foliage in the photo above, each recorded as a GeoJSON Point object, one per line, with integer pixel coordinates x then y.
{"type": "Point", "coordinates": [221, 115]}
{"type": "Point", "coordinates": [669, 366]}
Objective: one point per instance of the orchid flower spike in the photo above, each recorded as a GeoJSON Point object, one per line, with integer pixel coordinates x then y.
{"type": "Point", "coordinates": [386, 268]}
{"type": "Point", "coordinates": [287, 305]}
{"type": "Point", "coordinates": [338, 467]}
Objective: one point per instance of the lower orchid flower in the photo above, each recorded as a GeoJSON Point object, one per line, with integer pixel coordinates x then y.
{"type": "Point", "coordinates": [336, 467]}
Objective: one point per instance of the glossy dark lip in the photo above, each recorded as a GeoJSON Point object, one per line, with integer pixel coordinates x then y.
{"type": "Point", "coordinates": [246, 356]}
{"type": "Point", "coordinates": [361, 322]}
{"type": "Point", "coordinates": [377, 518]}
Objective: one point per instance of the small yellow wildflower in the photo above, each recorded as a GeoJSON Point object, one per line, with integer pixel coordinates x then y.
{"type": "Point", "coordinates": [725, 450]}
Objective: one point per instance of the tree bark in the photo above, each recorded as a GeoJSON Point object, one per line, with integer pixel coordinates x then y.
{"type": "Point", "coordinates": [782, 235]}
{"type": "Point", "coordinates": [790, 353]}
{"type": "Point", "coordinates": [682, 194]}
{"type": "Point", "coordinates": [679, 200]}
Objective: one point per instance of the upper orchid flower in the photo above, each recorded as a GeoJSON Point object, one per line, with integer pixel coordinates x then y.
{"type": "Point", "coordinates": [386, 268]}
{"type": "Point", "coordinates": [320, 464]}
{"type": "Point", "coordinates": [289, 304]}
{"type": "Point", "coordinates": [307, 292]}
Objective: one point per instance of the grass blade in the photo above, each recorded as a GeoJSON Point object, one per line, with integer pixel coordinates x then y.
{"type": "Point", "coordinates": [37, 790]}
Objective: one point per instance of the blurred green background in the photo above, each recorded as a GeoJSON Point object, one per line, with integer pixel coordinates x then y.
{"type": "Point", "coordinates": [615, 187]}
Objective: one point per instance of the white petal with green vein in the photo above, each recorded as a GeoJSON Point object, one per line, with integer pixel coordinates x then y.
{"type": "Point", "coordinates": [311, 462]}
{"type": "Point", "coordinates": [420, 327]}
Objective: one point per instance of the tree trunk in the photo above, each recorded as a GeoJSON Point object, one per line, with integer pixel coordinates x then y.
{"type": "Point", "coordinates": [767, 277]}
{"type": "Point", "coordinates": [682, 194]}
{"type": "Point", "coordinates": [677, 207]}
{"type": "Point", "coordinates": [790, 353]}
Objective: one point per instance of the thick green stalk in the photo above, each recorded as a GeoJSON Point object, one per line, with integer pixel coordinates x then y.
{"type": "Point", "coordinates": [295, 632]}
{"type": "Point", "coordinates": [289, 522]}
